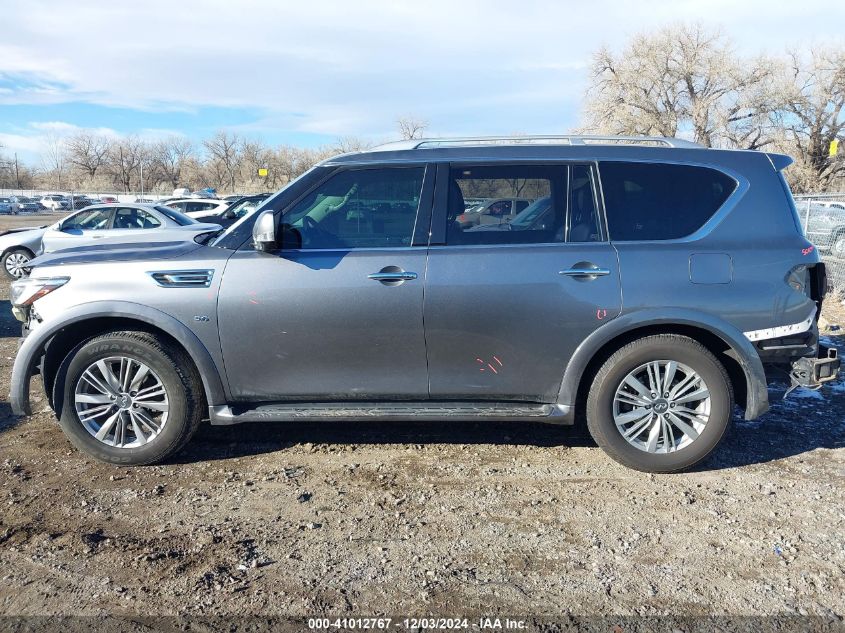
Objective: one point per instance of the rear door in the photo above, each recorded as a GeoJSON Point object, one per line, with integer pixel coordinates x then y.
{"type": "Point", "coordinates": [507, 304]}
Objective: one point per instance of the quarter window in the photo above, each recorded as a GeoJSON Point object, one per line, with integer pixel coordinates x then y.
{"type": "Point", "coordinates": [360, 208]}
{"type": "Point", "coordinates": [655, 201]}
{"type": "Point", "coordinates": [583, 219]}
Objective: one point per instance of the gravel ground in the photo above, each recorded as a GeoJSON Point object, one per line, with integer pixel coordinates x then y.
{"type": "Point", "coordinates": [415, 519]}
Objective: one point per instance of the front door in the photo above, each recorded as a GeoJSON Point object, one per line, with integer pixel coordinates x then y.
{"type": "Point", "coordinates": [508, 301]}
{"type": "Point", "coordinates": [81, 229]}
{"type": "Point", "coordinates": [337, 312]}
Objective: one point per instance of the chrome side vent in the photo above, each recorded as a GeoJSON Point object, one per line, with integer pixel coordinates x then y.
{"type": "Point", "coordinates": [182, 278]}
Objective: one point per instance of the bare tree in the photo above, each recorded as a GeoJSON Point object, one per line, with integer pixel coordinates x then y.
{"type": "Point", "coordinates": [170, 157]}
{"type": "Point", "coordinates": [225, 150]}
{"type": "Point", "coordinates": [346, 144]}
{"type": "Point", "coordinates": [125, 158]}
{"type": "Point", "coordinates": [682, 79]}
{"type": "Point", "coordinates": [87, 152]}
{"type": "Point", "coordinates": [53, 159]}
{"type": "Point", "coordinates": [411, 127]}
{"type": "Point", "coordinates": [813, 116]}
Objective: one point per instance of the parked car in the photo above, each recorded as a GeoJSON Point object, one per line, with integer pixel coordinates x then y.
{"type": "Point", "coordinates": [80, 202]}
{"type": "Point", "coordinates": [354, 294]}
{"type": "Point", "coordinates": [55, 202]}
{"type": "Point", "coordinates": [826, 228]}
{"type": "Point", "coordinates": [492, 211]}
{"type": "Point", "coordinates": [99, 224]}
{"type": "Point", "coordinates": [232, 214]}
{"type": "Point", "coordinates": [6, 206]}
{"type": "Point", "coordinates": [22, 204]}
{"type": "Point", "coordinates": [109, 200]}
{"type": "Point", "coordinates": [197, 208]}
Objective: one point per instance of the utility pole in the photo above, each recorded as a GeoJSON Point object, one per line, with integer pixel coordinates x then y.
{"type": "Point", "coordinates": [17, 175]}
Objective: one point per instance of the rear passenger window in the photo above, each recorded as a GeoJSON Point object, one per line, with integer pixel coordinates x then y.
{"type": "Point", "coordinates": [514, 204]}
{"type": "Point", "coordinates": [657, 201]}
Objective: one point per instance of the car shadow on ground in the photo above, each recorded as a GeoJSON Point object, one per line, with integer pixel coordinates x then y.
{"type": "Point", "coordinates": [255, 438]}
{"type": "Point", "coordinates": [770, 439]}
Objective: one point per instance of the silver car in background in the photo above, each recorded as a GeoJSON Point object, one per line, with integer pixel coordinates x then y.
{"type": "Point", "coordinates": [104, 223]}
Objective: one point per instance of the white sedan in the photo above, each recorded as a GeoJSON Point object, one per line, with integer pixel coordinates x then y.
{"type": "Point", "coordinates": [198, 207]}
{"type": "Point", "coordinates": [98, 224]}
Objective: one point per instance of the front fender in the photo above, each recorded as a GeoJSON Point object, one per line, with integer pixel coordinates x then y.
{"type": "Point", "coordinates": [755, 376]}
{"type": "Point", "coordinates": [33, 345]}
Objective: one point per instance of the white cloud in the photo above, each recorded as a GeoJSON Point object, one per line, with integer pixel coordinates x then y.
{"type": "Point", "coordinates": [341, 67]}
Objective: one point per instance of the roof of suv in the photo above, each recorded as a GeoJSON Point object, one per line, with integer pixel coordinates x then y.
{"type": "Point", "coordinates": [495, 149]}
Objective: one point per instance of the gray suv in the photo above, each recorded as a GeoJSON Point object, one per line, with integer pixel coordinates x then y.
{"type": "Point", "coordinates": [647, 297]}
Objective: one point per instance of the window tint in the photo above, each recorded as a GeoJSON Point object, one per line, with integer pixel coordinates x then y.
{"type": "Point", "coordinates": [93, 220]}
{"type": "Point", "coordinates": [583, 213]}
{"type": "Point", "coordinates": [361, 208]}
{"type": "Point", "coordinates": [131, 218]}
{"type": "Point", "coordinates": [199, 206]}
{"type": "Point", "coordinates": [177, 216]}
{"type": "Point", "coordinates": [653, 201]}
{"type": "Point", "coordinates": [482, 209]}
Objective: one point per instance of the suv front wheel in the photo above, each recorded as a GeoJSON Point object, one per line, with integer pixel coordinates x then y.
{"type": "Point", "coordinates": [660, 404]}
{"type": "Point", "coordinates": [129, 398]}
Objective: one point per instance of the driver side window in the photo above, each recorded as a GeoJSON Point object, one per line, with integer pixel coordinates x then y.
{"type": "Point", "coordinates": [360, 208]}
{"type": "Point", "coordinates": [93, 220]}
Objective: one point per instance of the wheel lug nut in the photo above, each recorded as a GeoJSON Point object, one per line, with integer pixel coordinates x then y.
{"type": "Point", "coordinates": [648, 406]}
{"type": "Point", "coordinates": [665, 395]}
{"type": "Point", "coordinates": [672, 404]}
{"type": "Point", "coordinates": [653, 395]}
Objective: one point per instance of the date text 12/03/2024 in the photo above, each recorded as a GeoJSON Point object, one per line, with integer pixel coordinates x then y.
{"type": "Point", "coordinates": [417, 624]}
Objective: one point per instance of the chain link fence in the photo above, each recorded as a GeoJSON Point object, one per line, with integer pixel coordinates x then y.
{"type": "Point", "coordinates": [823, 218]}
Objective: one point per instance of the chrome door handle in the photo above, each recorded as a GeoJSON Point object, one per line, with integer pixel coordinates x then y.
{"type": "Point", "coordinates": [585, 271]}
{"type": "Point", "coordinates": [382, 276]}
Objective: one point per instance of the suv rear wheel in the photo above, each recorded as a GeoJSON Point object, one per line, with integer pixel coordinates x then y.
{"type": "Point", "coordinates": [660, 404]}
{"type": "Point", "coordinates": [128, 399]}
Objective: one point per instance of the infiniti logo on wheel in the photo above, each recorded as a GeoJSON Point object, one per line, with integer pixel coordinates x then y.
{"type": "Point", "coordinates": [661, 406]}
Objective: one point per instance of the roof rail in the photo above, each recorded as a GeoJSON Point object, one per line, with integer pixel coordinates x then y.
{"type": "Point", "coordinates": [567, 139]}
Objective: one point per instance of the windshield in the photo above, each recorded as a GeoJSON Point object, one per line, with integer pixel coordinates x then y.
{"type": "Point", "coordinates": [243, 207]}
{"type": "Point", "coordinates": [177, 216]}
{"type": "Point", "coordinates": [529, 214]}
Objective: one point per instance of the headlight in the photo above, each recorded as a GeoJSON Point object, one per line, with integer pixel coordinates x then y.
{"type": "Point", "coordinates": [26, 291]}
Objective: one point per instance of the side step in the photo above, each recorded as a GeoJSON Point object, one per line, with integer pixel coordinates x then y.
{"type": "Point", "coordinates": [396, 411]}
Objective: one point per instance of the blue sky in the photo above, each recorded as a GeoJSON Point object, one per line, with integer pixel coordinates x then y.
{"type": "Point", "coordinates": [306, 73]}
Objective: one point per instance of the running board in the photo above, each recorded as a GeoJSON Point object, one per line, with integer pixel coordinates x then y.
{"type": "Point", "coordinates": [395, 411]}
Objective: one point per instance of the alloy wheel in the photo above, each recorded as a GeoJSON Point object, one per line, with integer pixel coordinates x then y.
{"type": "Point", "coordinates": [121, 402]}
{"type": "Point", "coordinates": [661, 406]}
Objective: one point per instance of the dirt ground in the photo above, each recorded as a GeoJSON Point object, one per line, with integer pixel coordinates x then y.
{"type": "Point", "coordinates": [415, 519]}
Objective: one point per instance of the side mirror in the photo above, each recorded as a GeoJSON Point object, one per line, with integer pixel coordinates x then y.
{"type": "Point", "coordinates": [264, 232]}
{"type": "Point", "coordinates": [228, 214]}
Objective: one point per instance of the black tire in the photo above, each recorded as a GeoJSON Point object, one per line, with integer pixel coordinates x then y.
{"type": "Point", "coordinates": [660, 347]}
{"type": "Point", "coordinates": [15, 251]}
{"type": "Point", "coordinates": [178, 376]}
